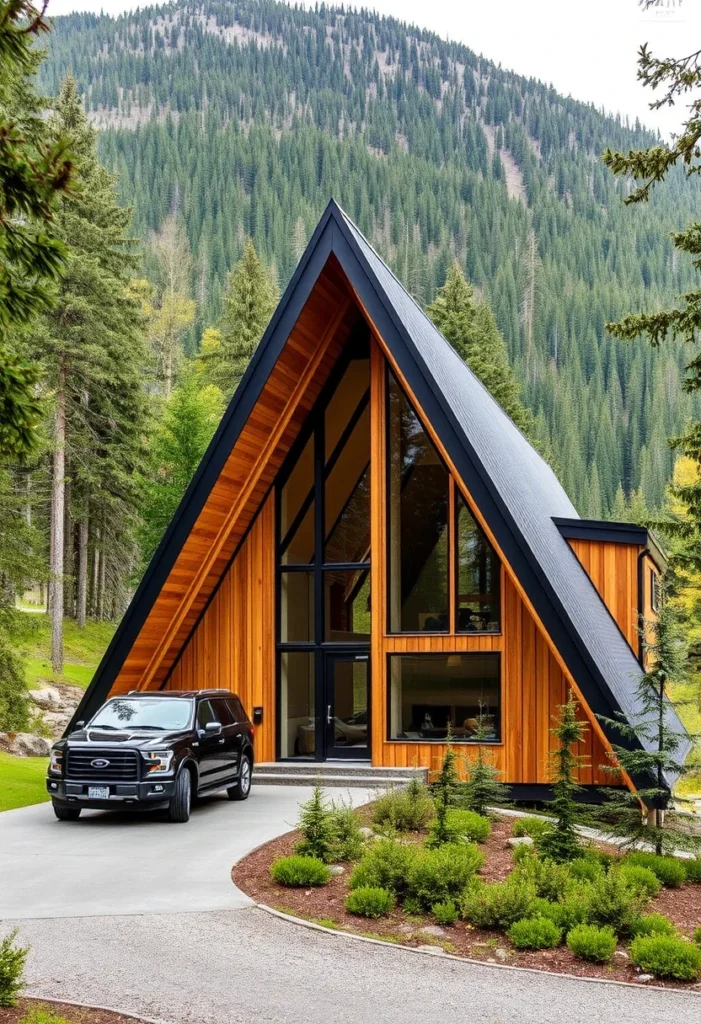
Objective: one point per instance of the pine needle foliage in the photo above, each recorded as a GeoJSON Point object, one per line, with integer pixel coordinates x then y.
{"type": "Point", "coordinates": [560, 842]}
{"type": "Point", "coordinates": [653, 747]}
{"type": "Point", "coordinates": [444, 790]}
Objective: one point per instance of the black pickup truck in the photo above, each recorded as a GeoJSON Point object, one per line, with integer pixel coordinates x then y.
{"type": "Point", "coordinates": [153, 750]}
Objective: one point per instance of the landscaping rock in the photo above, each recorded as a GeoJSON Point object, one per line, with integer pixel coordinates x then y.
{"type": "Point", "coordinates": [501, 954]}
{"type": "Point", "coordinates": [26, 744]}
{"type": "Point", "coordinates": [621, 954]}
{"type": "Point", "coordinates": [337, 869]}
{"type": "Point", "coordinates": [431, 949]}
{"type": "Point", "coordinates": [646, 977]}
{"type": "Point", "coordinates": [48, 698]}
{"type": "Point", "coordinates": [432, 929]}
{"type": "Point", "coordinates": [367, 833]}
{"type": "Point", "coordinates": [519, 841]}
{"type": "Point", "coordinates": [5, 742]}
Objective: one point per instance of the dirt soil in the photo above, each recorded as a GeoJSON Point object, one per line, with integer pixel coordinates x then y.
{"type": "Point", "coordinates": [73, 1014]}
{"type": "Point", "coordinates": [326, 906]}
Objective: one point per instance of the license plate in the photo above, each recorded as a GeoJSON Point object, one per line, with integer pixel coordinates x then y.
{"type": "Point", "coordinates": [98, 792]}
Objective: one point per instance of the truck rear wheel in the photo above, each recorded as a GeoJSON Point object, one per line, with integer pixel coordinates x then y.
{"type": "Point", "coordinates": [181, 801]}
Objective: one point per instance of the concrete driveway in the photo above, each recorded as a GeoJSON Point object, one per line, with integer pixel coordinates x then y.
{"type": "Point", "coordinates": [108, 863]}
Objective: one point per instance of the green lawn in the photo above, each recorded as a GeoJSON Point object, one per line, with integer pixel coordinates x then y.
{"type": "Point", "coordinates": [82, 651]}
{"type": "Point", "coordinates": [22, 781]}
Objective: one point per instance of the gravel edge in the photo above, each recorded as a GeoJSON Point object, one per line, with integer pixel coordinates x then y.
{"type": "Point", "coordinates": [438, 952]}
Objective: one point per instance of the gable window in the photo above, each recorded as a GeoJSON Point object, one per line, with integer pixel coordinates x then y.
{"type": "Point", "coordinates": [432, 695]}
{"type": "Point", "coordinates": [430, 525]}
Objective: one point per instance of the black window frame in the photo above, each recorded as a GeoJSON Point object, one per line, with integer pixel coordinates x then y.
{"type": "Point", "coordinates": [497, 655]}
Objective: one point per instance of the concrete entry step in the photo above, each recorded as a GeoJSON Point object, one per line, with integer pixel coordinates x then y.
{"type": "Point", "coordinates": [333, 774]}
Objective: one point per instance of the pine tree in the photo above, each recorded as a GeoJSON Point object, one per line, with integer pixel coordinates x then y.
{"type": "Point", "coordinates": [444, 790]}
{"type": "Point", "coordinates": [173, 311]}
{"type": "Point", "coordinates": [471, 329]}
{"type": "Point", "coordinates": [316, 826]}
{"type": "Point", "coordinates": [560, 843]}
{"type": "Point", "coordinates": [248, 304]}
{"type": "Point", "coordinates": [652, 754]}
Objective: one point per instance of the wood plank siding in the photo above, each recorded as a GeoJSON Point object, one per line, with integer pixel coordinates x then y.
{"type": "Point", "coordinates": [234, 644]}
{"type": "Point", "coordinates": [613, 569]}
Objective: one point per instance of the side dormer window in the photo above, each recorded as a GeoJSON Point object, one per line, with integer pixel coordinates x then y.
{"type": "Point", "coordinates": [654, 591]}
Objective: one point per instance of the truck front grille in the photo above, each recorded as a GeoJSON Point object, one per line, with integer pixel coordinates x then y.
{"type": "Point", "coordinates": [112, 765]}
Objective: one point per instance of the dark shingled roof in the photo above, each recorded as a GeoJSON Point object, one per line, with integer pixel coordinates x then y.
{"type": "Point", "coordinates": [513, 486]}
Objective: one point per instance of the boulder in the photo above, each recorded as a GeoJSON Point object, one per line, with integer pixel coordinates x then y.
{"type": "Point", "coordinates": [5, 742]}
{"type": "Point", "coordinates": [48, 698]}
{"type": "Point", "coordinates": [367, 833]}
{"type": "Point", "coordinates": [432, 929]}
{"type": "Point", "coordinates": [26, 744]}
{"type": "Point", "coordinates": [519, 841]}
{"type": "Point", "coordinates": [337, 869]}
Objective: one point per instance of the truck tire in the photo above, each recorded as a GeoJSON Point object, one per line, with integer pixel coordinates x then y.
{"type": "Point", "coordinates": [64, 813]}
{"type": "Point", "coordinates": [181, 801]}
{"type": "Point", "coordinates": [242, 787]}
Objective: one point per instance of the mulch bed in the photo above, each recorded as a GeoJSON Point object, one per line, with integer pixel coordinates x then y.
{"type": "Point", "coordinates": [326, 906]}
{"type": "Point", "coordinates": [74, 1014]}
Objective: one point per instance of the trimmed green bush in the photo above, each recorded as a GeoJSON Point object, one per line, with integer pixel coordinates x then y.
{"type": "Point", "coordinates": [533, 827]}
{"type": "Point", "coordinates": [669, 870]}
{"type": "Point", "coordinates": [653, 924]}
{"type": "Point", "coordinates": [497, 904]}
{"type": "Point", "coordinates": [667, 956]}
{"type": "Point", "coordinates": [445, 912]}
{"type": "Point", "coordinates": [462, 827]}
{"type": "Point", "coordinates": [298, 871]}
{"type": "Point", "coordinates": [523, 852]}
{"type": "Point", "coordinates": [692, 870]}
{"type": "Point", "coordinates": [585, 869]}
{"type": "Point", "coordinates": [588, 942]}
{"type": "Point", "coordinates": [642, 881]}
{"type": "Point", "coordinates": [569, 912]}
{"type": "Point", "coordinates": [697, 936]}
{"type": "Point", "coordinates": [442, 874]}
{"type": "Point", "coordinates": [369, 901]}
{"type": "Point", "coordinates": [550, 879]}
{"type": "Point", "coordinates": [534, 933]}
{"type": "Point", "coordinates": [613, 903]}
{"type": "Point", "coordinates": [12, 961]}
{"type": "Point", "coordinates": [407, 810]}
{"type": "Point", "coordinates": [40, 1015]}
{"type": "Point", "coordinates": [385, 865]}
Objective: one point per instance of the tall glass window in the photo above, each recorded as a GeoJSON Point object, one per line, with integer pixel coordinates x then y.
{"type": "Point", "coordinates": [418, 523]}
{"type": "Point", "coordinates": [477, 576]}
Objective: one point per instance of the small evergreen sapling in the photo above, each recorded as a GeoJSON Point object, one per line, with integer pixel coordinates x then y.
{"type": "Point", "coordinates": [317, 828]}
{"type": "Point", "coordinates": [482, 788]}
{"type": "Point", "coordinates": [560, 842]}
{"type": "Point", "coordinates": [444, 790]}
{"type": "Point", "coordinates": [12, 961]}
{"type": "Point", "coordinates": [656, 746]}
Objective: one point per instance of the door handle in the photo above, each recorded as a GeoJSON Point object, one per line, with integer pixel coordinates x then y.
{"type": "Point", "coordinates": [329, 716]}
{"type": "Point", "coordinates": [221, 740]}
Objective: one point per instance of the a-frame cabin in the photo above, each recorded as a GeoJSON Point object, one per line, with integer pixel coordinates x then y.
{"type": "Point", "coordinates": [371, 552]}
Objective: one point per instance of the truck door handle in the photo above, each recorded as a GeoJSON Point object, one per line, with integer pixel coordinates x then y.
{"type": "Point", "coordinates": [221, 740]}
{"type": "Point", "coordinates": [329, 716]}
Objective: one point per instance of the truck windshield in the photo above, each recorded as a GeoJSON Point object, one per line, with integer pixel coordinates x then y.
{"type": "Point", "coordinates": [160, 713]}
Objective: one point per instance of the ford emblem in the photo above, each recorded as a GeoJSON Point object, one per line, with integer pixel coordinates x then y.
{"type": "Point", "coordinates": [99, 762]}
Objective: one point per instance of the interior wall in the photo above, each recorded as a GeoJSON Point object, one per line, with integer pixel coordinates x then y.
{"type": "Point", "coordinates": [233, 646]}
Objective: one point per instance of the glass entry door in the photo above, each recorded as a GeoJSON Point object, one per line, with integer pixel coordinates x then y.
{"type": "Point", "coordinates": [347, 691]}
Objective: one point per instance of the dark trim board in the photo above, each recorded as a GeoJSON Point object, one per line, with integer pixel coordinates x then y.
{"type": "Point", "coordinates": [612, 533]}
{"type": "Point", "coordinates": [542, 792]}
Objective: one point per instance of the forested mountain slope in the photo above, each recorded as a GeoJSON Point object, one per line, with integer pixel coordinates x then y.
{"type": "Point", "coordinates": [246, 117]}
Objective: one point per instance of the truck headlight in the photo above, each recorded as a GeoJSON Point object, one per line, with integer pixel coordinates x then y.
{"type": "Point", "coordinates": [56, 762]}
{"type": "Point", "coordinates": [157, 760]}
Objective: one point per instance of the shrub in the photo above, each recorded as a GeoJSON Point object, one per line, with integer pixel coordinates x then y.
{"type": "Point", "coordinates": [534, 933]}
{"type": "Point", "coordinates": [614, 903]}
{"type": "Point", "coordinates": [642, 881]}
{"type": "Point", "coordinates": [550, 879]}
{"type": "Point", "coordinates": [40, 1015]}
{"type": "Point", "coordinates": [347, 839]}
{"type": "Point", "coordinates": [588, 942]}
{"type": "Point", "coordinates": [317, 827]}
{"type": "Point", "coordinates": [497, 904]}
{"type": "Point", "coordinates": [444, 793]}
{"type": "Point", "coordinates": [407, 810]}
{"type": "Point", "coordinates": [483, 787]}
{"type": "Point", "coordinates": [692, 870]}
{"type": "Point", "coordinates": [667, 956]}
{"type": "Point", "coordinates": [523, 852]}
{"type": "Point", "coordinates": [573, 910]}
{"type": "Point", "coordinates": [443, 873]}
{"type": "Point", "coordinates": [585, 869]}
{"type": "Point", "coordinates": [369, 901]}
{"type": "Point", "coordinates": [412, 907]}
{"type": "Point", "coordinates": [461, 826]}
{"type": "Point", "coordinates": [533, 827]}
{"type": "Point", "coordinates": [299, 871]}
{"type": "Point", "coordinates": [669, 870]}
{"type": "Point", "coordinates": [384, 866]}
{"type": "Point", "coordinates": [697, 936]}
{"type": "Point", "coordinates": [12, 961]}
{"type": "Point", "coordinates": [653, 924]}
{"type": "Point", "coordinates": [445, 912]}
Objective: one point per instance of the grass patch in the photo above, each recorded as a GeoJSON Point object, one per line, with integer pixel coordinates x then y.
{"type": "Point", "coordinates": [82, 651]}
{"type": "Point", "coordinates": [23, 781]}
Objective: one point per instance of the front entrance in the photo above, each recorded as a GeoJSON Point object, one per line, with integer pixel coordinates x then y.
{"type": "Point", "coordinates": [347, 705]}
